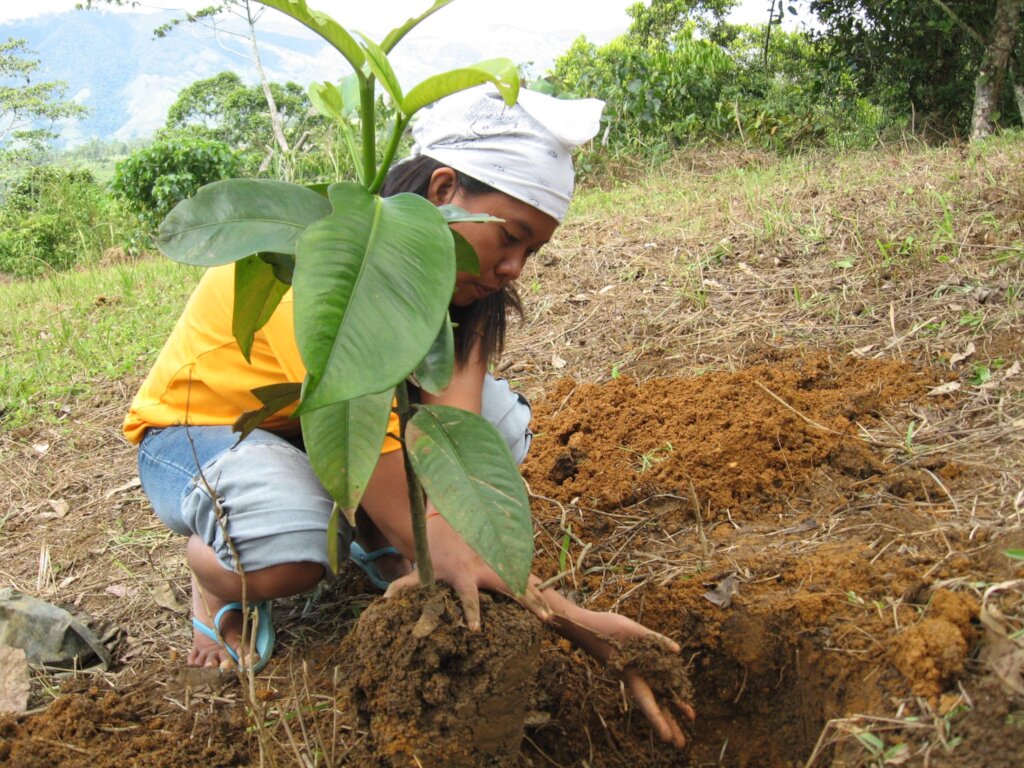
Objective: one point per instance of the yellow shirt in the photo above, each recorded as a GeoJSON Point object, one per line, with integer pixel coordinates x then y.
{"type": "Point", "coordinates": [201, 377]}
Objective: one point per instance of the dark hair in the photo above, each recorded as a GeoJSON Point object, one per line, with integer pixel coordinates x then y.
{"type": "Point", "coordinates": [483, 320]}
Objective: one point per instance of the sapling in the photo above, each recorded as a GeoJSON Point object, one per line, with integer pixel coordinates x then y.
{"type": "Point", "coordinates": [367, 273]}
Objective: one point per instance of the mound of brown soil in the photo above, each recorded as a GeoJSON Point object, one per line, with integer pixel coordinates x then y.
{"type": "Point", "coordinates": [810, 562]}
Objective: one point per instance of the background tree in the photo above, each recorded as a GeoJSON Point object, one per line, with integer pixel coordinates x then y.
{"type": "Point", "coordinates": [151, 181]}
{"type": "Point", "coordinates": [920, 57]}
{"type": "Point", "coordinates": [225, 109]}
{"type": "Point", "coordinates": [989, 84]}
{"type": "Point", "coordinates": [663, 19]}
{"type": "Point", "coordinates": [28, 109]}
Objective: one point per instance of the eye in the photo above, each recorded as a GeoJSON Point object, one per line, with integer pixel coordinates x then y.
{"type": "Point", "coordinates": [510, 239]}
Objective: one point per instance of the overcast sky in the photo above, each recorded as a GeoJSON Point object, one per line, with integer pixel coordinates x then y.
{"type": "Point", "coordinates": [536, 15]}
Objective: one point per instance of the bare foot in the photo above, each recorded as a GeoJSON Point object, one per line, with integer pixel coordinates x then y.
{"type": "Point", "coordinates": [207, 652]}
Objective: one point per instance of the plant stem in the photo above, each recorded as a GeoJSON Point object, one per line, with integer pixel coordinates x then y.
{"type": "Point", "coordinates": [389, 153]}
{"type": "Point", "coordinates": [369, 126]}
{"type": "Point", "coordinates": [424, 566]}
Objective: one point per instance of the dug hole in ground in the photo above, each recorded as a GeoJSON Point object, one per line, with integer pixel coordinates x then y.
{"type": "Point", "coordinates": [757, 431]}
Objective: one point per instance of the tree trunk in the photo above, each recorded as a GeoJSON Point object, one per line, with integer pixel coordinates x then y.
{"type": "Point", "coordinates": [275, 116]}
{"type": "Point", "coordinates": [988, 87]}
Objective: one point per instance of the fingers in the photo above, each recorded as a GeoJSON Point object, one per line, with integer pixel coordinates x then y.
{"type": "Point", "coordinates": [534, 601]}
{"type": "Point", "coordinates": [688, 712]}
{"type": "Point", "coordinates": [409, 580]}
{"type": "Point", "coordinates": [678, 737]}
{"type": "Point", "coordinates": [666, 726]}
{"type": "Point", "coordinates": [469, 596]}
{"type": "Point", "coordinates": [666, 642]}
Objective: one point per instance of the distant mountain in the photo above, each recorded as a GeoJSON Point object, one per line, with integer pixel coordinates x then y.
{"type": "Point", "coordinates": [127, 79]}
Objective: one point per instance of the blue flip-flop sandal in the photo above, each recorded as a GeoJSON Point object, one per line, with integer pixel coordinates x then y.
{"type": "Point", "coordinates": [261, 623]}
{"type": "Point", "coordinates": [365, 561]}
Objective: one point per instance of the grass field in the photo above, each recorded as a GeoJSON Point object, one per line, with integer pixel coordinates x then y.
{"type": "Point", "coordinates": [791, 383]}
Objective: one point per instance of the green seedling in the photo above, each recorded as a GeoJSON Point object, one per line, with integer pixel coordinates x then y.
{"type": "Point", "coordinates": [563, 552]}
{"type": "Point", "coordinates": [980, 374]}
{"type": "Point", "coordinates": [975, 320]}
{"type": "Point", "coordinates": [651, 457]}
{"type": "Point", "coordinates": [320, 239]}
{"type": "Point", "coordinates": [880, 754]}
{"type": "Point", "coordinates": [908, 439]}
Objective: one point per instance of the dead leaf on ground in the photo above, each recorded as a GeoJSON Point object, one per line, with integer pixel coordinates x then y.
{"type": "Point", "coordinates": [14, 686]}
{"type": "Point", "coordinates": [959, 357]}
{"type": "Point", "coordinates": [165, 596]}
{"type": "Point", "coordinates": [723, 592]}
{"type": "Point", "coordinates": [119, 590]}
{"type": "Point", "coordinates": [557, 362]}
{"type": "Point", "coordinates": [133, 483]}
{"type": "Point", "coordinates": [60, 508]}
{"type": "Point", "coordinates": [944, 389]}
{"type": "Point", "coordinates": [1001, 652]}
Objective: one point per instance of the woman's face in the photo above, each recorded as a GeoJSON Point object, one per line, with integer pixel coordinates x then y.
{"type": "Point", "coordinates": [502, 247]}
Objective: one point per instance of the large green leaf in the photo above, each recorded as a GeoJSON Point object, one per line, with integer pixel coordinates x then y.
{"type": "Point", "coordinates": [434, 373]}
{"type": "Point", "coordinates": [372, 284]}
{"type": "Point", "coordinates": [502, 72]}
{"type": "Point", "coordinates": [229, 220]}
{"type": "Point", "coordinates": [274, 397]}
{"type": "Point", "coordinates": [471, 478]}
{"type": "Point", "coordinates": [257, 294]}
{"type": "Point", "coordinates": [465, 255]}
{"type": "Point", "coordinates": [283, 265]}
{"type": "Point", "coordinates": [344, 441]}
{"type": "Point", "coordinates": [453, 214]}
{"type": "Point", "coordinates": [396, 34]}
{"type": "Point", "coordinates": [466, 259]}
{"type": "Point", "coordinates": [323, 25]}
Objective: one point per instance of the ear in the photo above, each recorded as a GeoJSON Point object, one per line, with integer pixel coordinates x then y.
{"type": "Point", "coordinates": [444, 183]}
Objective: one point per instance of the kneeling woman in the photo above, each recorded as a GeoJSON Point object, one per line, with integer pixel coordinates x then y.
{"type": "Point", "coordinates": [472, 151]}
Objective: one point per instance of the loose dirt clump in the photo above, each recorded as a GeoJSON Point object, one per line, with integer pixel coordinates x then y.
{"type": "Point", "coordinates": [931, 654]}
{"type": "Point", "coordinates": [431, 692]}
{"type": "Point", "coordinates": [89, 727]}
{"type": "Point", "coordinates": [744, 442]}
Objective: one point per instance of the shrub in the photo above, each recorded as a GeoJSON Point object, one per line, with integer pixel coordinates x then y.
{"type": "Point", "coordinates": [153, 180]}
{"type": "Point", "coordinates": [657, 94]}
{"type": "Point", "coordinates": [54, 218]}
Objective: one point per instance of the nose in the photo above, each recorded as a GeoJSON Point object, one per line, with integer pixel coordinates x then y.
{"type": "Point", "coordinates": [511, 267]}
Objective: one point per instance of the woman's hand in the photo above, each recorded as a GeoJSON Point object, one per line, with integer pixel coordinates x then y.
{"type": "Point", "coordinates": [602, 634]}
{"type": "Point", "coordinates": [456, 564]}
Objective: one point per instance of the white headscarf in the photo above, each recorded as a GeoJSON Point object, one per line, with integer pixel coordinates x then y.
{"type": "Point", "coordinates": [524, 150]}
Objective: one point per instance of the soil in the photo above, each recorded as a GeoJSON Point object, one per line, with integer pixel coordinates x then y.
{"type": "Point", "coordinates": [441, 694]}
{"type": "Point", "coordinates": [739, 443]}
{"type": "Point", "coordinates": [748, 515]}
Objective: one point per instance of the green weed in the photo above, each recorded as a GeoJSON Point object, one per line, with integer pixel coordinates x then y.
{"type": "Point", "coordinates": [651, 457]}
{"type": "Point", "coordinates": [882, 755]}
